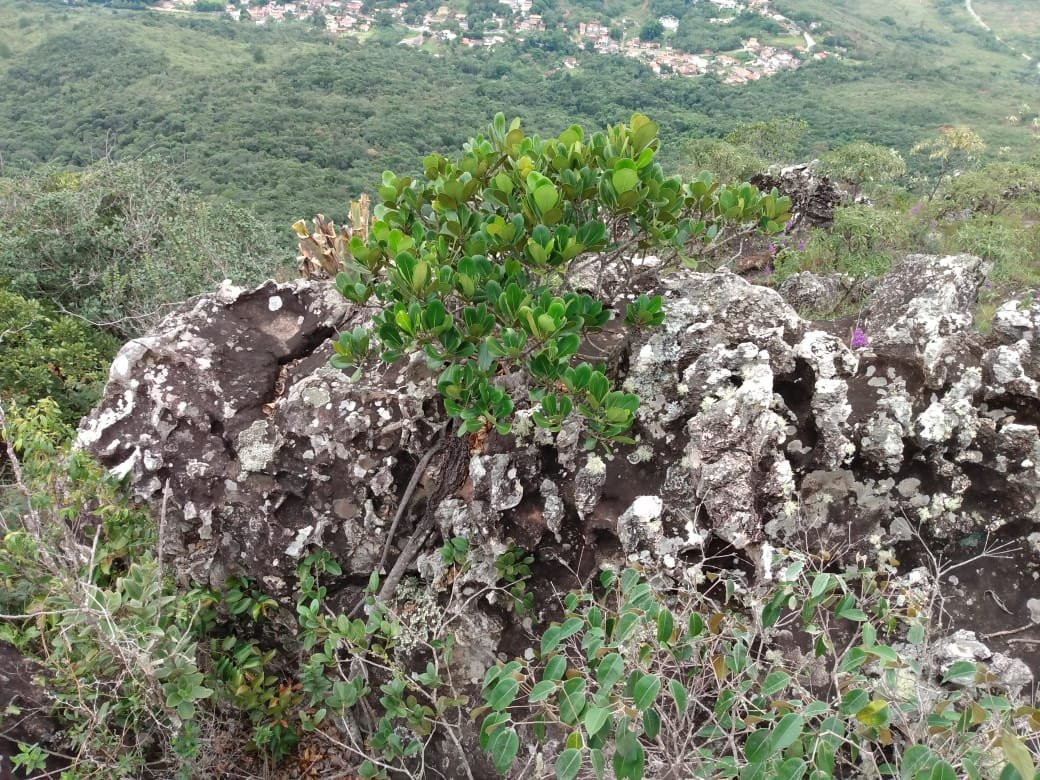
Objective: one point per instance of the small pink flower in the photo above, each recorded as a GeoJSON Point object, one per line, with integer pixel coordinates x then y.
{"type": "Point", "coordinates": [859, 339]}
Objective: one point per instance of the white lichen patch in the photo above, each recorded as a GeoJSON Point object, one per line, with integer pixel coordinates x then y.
{"type": "Point", "coordinates": [256, 446]}
{"type": "Point", "coordinates": [302, 537]}
{"type": "Point", "coordinates": [594, 465]}
{"type": "Point", "coordinates": [95, 427]}
{"type": "Point", "coordinates": [647, 507]}
{"type": "Point", "coordinates": [315, 396]}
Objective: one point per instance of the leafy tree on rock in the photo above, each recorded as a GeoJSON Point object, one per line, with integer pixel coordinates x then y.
{"type": "Point", "coordinates": [473, 264]}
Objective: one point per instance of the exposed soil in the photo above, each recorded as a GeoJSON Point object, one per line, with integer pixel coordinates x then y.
{"type": "Point", "coordinates": [989, 595]}
{"type": "Point", "coordinates": [23, 708]}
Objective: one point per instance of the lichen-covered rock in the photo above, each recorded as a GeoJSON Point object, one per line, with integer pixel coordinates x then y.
{"type": "Point", "coordinates": [754, 425]}
{"type": "Point", "coordinates": [264, 450]}
{"type": "Point", "coordinates": [813, 197]}
{"type": "Point", "coordinates": [925, 305]}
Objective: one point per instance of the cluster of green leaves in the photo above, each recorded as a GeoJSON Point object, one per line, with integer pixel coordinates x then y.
{"type": "Point", "coordinates": [513, 568]}
{"type": "Point", "coordinates": [410, 706]}
{"type": "Point", "coordinates": [30, 759]}
{"type": "Point", "coordinates": [643, 678]}
{"type": "Point", "coordinates": [47, 355]}
{"type": "Point", "coordinates": [469, 264]}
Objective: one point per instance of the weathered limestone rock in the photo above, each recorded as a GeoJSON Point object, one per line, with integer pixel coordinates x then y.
{"type": "Point", "coordinates": [809, 292]}
{"type": "Point", "coordinates": [754, 425]}
{"type": "Point", "coordinates": [813, 197]}
{"type": "Point", "coordinates": [925, 305]}
{"type": "Point", "coordinates": [264, 449]}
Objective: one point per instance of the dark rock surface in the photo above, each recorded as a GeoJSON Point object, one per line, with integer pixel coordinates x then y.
{"type": "Point", "coordinates": [23, 709]}
{"type": "Point", "coordinates": [813, 197]}
{"type": "Point", "coordinates": [755, 428]}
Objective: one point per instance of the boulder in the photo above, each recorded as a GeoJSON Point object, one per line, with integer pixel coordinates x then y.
{"type": "Point", "coordinates": [813, 197]}
{"type": "Point", "coordinates": [809, 292]}
{"type": "Point", "coordinates": [754, 426]}
{"type": "Point", "coordinates": [229, 411]}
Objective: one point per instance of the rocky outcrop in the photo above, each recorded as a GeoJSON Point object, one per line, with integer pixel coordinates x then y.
{"type": "Point", "coordinates": [754, 426]}
{"type": "Point", "coordinates": [813, 197]}
{"type": "Point", "coordinates": [229, 409]}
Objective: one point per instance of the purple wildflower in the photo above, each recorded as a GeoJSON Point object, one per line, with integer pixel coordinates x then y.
{"type": "Point", "coordinates": [916, 208]}
{"type": "Point", "coordinates": [788, 225]}
{"type": "Point", "coordinates": [859, 339]}
{"type": "Point", "coordinates": [801, 245]}
{"type": "Point", "coordinates": [772, 248]}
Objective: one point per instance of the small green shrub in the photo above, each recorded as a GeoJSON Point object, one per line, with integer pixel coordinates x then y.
{"type": "Point", "coordinates": [513, 568]}
{"type": "Point", "coordinates": [689, 679]}
{"type": "Point", "coordinates": [119, 645]}
{"type": "Point", "coordinates": [411, 705]}
{"type": "Point", "coordinates": [47, 355]}
{"type": "Point", "coordinates": [472, 264]}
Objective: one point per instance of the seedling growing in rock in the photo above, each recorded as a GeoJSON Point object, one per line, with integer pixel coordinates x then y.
{"type": "Point", "coordinates": [473, 263]}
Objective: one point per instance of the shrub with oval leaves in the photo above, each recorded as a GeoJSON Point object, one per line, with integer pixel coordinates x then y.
{"type": "Point", "coordinates": [473, 264]}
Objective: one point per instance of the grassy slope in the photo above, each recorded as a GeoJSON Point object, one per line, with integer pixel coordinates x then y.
{"type": "Point", "coordinates": [1016, 21]}
{"type": "Point", "coordinates": [293, 122]}
{"type": "Point", "coordinates": [926, 71]}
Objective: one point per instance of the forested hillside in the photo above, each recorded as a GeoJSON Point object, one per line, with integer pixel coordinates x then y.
{"type": "Point", "coordinates": [290, 121]}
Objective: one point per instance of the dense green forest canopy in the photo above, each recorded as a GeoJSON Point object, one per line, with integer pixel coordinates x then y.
{"type": "Point", "coordinates": [291, 121]}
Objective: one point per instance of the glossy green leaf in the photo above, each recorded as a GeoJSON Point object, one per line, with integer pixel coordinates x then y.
{"type": "Point", "coordinates": [624, 179]}
{"type": "Point", "coordinates": [645, 691]}
{"type": "Point", "coordinates": [541, 691]}
{"type": "Point", "coordinates": [678, 695]}
{"type": "Point", "coordinates": [568, 764]}
{"type": "Point", "coordinates": [545, 197]}
{"type": "Point", "coordinates": [503, 749]}
{"type": "Point", "coordinates": [609, 670]}
{"type": "Point", "coordinates": [595, 719]}
{"type": "Point", "coordinates": [786, 732]}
